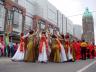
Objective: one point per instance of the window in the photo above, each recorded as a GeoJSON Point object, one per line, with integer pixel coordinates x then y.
{"type": "Point", "coordinates": [28, 23]}
{"type": "Point", "coordinates": [17, 20]}
{"type": "Point", "coordinates": [2, 17]}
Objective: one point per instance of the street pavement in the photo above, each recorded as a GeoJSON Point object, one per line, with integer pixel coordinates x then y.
{"type": "Point", "coordinates": [6, 65]}
{"type": "Point", "coordinates": [91, 68]}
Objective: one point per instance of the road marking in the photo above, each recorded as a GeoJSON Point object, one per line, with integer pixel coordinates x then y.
{"type": "Point", "coordinates": [81, 70]}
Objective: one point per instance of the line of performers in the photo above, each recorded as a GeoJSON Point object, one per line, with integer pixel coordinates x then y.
{"type": "Point", "coordinates": [45, 47]}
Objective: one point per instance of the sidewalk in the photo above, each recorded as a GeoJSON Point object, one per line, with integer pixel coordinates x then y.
{"type": "Point", "coordinates": [5, 60]}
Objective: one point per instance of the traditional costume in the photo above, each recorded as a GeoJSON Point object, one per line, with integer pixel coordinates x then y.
{"type": "Point", "coordinates": [30, 52]}
{"type": "Point", "coordinates": [68, 49]}
{"type": "Point", "coordinates": [15, 47]}
{"type": "Point", "coordinates": [91, 50]}
{"type": "Point", "coordinates": [55, 50]}
{"type": "Point", "coordinates": [43, 48]}
{"type": "Point", "coordinates": [95, 51]}
{"type": "Point", "coordinates": [1, 49]}
{"type": "Point", "coordinates": [73, 46]}
{"type": "Point", "coordinates": [19, 55]}
{"type": "Point", "coordinates": [63, 54]}
{"type": "Point", "coordinates": [78, 51]}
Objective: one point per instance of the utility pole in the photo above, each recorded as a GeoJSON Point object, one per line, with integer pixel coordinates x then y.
{"type": "Point", "coordinates": [66, 25]}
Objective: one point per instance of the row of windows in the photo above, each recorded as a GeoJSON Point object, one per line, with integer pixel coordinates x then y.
{"type": "Point", "coordinates": [15, 19]}
{"type": "Point", "coordinates": [2, 17]}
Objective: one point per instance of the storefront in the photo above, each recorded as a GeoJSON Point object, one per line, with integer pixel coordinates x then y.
{"type": "Point", "coordinates": [12, 17]}
{"type": "Point", "coordinates": [15, 16]}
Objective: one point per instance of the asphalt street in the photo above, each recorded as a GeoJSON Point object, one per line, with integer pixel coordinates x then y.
{"type": "Point", "coordinates": [91, 68]}
{"type": "Point", "coordinates": [6, 65]}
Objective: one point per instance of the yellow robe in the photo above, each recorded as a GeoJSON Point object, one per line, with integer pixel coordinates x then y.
{"type": "Point", "coordinates": [56, 49]}
{"type": "Point", "coordinates": [30, 54]}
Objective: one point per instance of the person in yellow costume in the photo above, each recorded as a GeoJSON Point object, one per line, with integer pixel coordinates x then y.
{"type": "Point", "coordinates": [55, 50]}
{"type": "Point", "coordinates": [83, 49]}
{"type": "Point", "coordinates": [30, 51]}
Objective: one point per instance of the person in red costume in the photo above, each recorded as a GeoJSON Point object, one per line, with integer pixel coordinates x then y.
{"type": "Point", "coordinates": [43, 48]}
{"type": "Point", "coordinates": [68, 48]}
{"type": "Point", "coordinates": [91, 50]}
{"type": "Point", "coordinates": [19, 55]}
{"type": "Point", "coordinates": [94, 50]}
{"type": "Point", "coordinates": [78, 50]}
{"type": "Point", "coordinates": [74, 47]}
{"type": "Point", "coordinates": [88, 51]}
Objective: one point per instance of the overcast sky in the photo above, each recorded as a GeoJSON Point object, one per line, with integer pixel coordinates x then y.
{"type": "Point", "coordinates": [74, 7]}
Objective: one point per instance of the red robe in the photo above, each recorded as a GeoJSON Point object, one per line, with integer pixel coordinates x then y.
{"type": "Point", "coordinates": [67, 45]}
{"type": "Point", "coordinates": [43, 39]}
{"type": "Point", "coordinates": [95, 50]}
{"type": "Point", "coordinates": [90, 47]}
{"type": "Point", "coordinates": [22, 44]}
{"type": "Point", "coordinates": [74, 48]}
{"type": "Point", "coordinates": [78, 51]}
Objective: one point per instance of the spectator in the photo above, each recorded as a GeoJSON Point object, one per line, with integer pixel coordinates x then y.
{"type": "Point", "coordinates": [11, 49]}
{"type": "Point", "coordinates": [83, 49]}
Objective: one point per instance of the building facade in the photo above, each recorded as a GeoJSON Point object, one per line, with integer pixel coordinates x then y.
{"type": "Point", "coordinates": [78, 31]}
{"type": "Point", "coordinates": [88, 26]}
{"type": "Point", "coordinates": [12, 18]}
{"type": "Point", "coordinates": [69, 26]}
{"type": "Point", "coordinates": [23, 15]}
{"type": "Point", "coordinates": [48, 13]}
